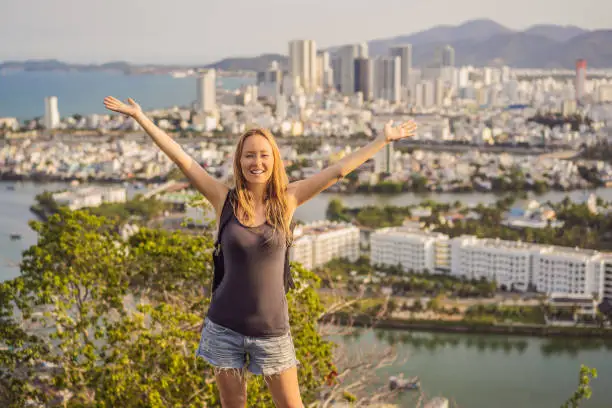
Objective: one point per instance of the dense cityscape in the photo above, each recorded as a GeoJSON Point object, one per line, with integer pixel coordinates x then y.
{"type": "Point", "coordinates": [481, 129]}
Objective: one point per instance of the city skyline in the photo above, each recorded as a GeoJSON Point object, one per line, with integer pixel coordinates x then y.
{"type": "Point", "coordinates": [199, 33]}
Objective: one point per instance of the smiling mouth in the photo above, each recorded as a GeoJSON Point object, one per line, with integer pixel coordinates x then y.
{"type": "Point", "coordinates": [256, 172]}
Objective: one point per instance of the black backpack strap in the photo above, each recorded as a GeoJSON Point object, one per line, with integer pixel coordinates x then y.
{"type": "Point", "coordinates": [288, 277]}
{"type": "Point", "coordinates": [226, 216]}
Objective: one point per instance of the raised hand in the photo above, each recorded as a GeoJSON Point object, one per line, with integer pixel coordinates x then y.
{"type": "Point", "coordinates": [406, 129]}
{"type": "Point", "coordinates": [116, 105]}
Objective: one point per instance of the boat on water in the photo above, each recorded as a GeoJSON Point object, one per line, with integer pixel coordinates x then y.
{"type": "Point", "coordinates": [15, 236]}
{"type": "Point", "coordinates": [401, 383]}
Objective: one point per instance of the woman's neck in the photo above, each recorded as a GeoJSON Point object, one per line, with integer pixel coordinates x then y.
{"type": "Point", "coordinates": [258, 192]}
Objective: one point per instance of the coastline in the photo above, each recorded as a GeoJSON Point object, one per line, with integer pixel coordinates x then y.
{"type": "Point", "coordinates": [364, 321]}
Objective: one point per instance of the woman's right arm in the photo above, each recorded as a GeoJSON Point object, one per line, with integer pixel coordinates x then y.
{"type": "Point", "coordinates": [213, 190]}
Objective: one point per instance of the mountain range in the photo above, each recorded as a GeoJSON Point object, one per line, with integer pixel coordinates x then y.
{"type": "Point", "coordinates": [484, 42]}
{"type": "Point", "coordinates": [476, 42]}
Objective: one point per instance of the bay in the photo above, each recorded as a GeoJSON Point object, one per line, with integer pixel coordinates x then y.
{"type": "Point", "coordinates": [22, 94]}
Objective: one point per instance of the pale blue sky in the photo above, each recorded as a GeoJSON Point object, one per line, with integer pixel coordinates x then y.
{"type": "Point", "coordinates": [200, 31]}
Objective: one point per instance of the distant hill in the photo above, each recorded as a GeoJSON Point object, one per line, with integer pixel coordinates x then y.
{"type": "Point", "coordinates": [556, 32]}
{"type": "Point", "coordinates": [259, 63]}
{"type": "Point", "coordinates": [483, 42]}
{"type": "Point", "coordinates": [476, 42]}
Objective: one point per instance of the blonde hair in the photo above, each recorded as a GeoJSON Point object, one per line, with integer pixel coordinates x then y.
{"type": "Point", "coordinates": [277, 207]}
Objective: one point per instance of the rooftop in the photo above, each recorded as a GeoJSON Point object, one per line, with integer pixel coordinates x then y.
{"type": "Point", "coordinates": [320, 227]}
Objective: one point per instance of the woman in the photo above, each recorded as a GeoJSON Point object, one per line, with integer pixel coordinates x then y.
{"type": "Point", "coordinates": [248, 313]}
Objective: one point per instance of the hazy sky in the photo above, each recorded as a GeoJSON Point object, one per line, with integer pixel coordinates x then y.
{"type": "Point", "coordinates": [200, 31]}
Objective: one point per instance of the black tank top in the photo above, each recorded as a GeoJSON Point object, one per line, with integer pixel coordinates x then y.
{"type": "Point", "coordinates": [251, 297]}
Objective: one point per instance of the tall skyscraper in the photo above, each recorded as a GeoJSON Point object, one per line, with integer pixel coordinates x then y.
{"type": "Point", "coordinates": [364, 77]}
{"type": "Point", "coordinates": [387, 78]}
{"type": "Point", "coordinates": [347, 55]}
{"type": "Point", "coordinates": [383, 160]}
{"type": "Point", "coordinates": [439, 91]}
{"type": "Point", "coordinates": [404, 52]}
{"type": "Point", "coordinates": [426, 93]}
{"type": "Point", "coordinates": [303, 63]}
{"type": "Point", "coordinates": [207, 91]}
{"type": "Point", "coordinates": [581, 67]}
{"type": "Point", "coordinates": [324, 75]}
{"type": "Point", "coordinates": [336, 63]}
{"type": "Point", "coordinates": [52, 116]}
{"type": "Point", "coordinates": [270, 81]}
{"type": "Point", "coordinates": [446, 56]}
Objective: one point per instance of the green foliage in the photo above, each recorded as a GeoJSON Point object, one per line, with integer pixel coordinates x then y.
{"type": "Point", "coordinates": [377, 217]}
{"type": "Point", "coordinates": [584, 387]}
{"type": "Point", "coordinates": [46, 199]}
{"type": "Point", "coordinates": [120, 320]}
{"type": "Point", "coordinates": [520, 314]}
{"type": "Point", "coordinates": [336, 211]}
{"type": "Point", "coordinates": [143, 209]}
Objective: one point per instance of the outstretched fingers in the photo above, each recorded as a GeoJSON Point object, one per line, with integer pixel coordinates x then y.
{"type": "Point", "coordinates": [408, 128]}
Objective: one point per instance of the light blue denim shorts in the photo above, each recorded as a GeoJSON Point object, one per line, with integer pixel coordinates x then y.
{"type": "Point", "coordinates": [224, 348]}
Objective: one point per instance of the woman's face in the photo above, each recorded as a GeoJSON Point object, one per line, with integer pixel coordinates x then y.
{"type": "Point", "coordinates": [257, 161]}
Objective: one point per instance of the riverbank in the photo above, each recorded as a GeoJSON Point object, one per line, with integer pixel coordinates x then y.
{"type": "Point", "coordinates": [462, 326]}
{"type": "Point", "coordinates": [60, 178]}
{"type": "Point", "coordinates": [340, 190]}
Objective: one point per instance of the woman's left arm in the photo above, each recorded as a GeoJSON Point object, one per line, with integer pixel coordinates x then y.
{"type": "Point", "coordinates": [303, 190]}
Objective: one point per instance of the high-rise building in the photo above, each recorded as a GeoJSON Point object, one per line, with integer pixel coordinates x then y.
{"type": "Point", "coordinates": [581, 67]}
{"type": "Point", "coordinates": [303, 63]}
{"type": "Point", "coordinates": [207, 91]}
{"type": "Point", "coordinates": [439, 92]}
{"type": "Point", "coordinates": [383, 160]}
{"type": "Point", "coordinates": [404, 52]}
{"type": "Point", "coordinates": [446, 56]}
{"type": "Point", "coordinates": [347, 55]}
{"type": "Point", "coordinates": [418, 96]}
{"type": "Point", "coordinates": [364, 77]}
{"type": "Point", "coordinates": [336, 63]}
{"type": "Point", "coordinates": [387, 79]}
{"type": "Point", "coordinates": [324, 70]}
{"type": "Point", "coordinates": [270, 82]}
{"type": "Point", "coordinates": [426, 93]}
{"type": "Point", "coordinates": [52, 116]}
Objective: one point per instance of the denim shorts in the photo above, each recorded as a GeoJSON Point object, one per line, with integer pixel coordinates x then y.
{"type": "Point", "coordinates": [224, 348]}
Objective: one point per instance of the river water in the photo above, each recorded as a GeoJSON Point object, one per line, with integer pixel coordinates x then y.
{"type": "Point", "coordinates": [491, 371]}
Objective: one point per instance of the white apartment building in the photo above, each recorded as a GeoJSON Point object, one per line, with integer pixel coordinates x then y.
{"type": "Point", "coordinates": [52, 116]}
{"type": "Point", "coordinates": [607, 276]}
{"type": "Point", "coordinates": [568, 270]}
{"type": "Point", "coordinates": [90, 197]}
{"type": "Point", "coordinates": [317, 243]}
{"type": "Point", "coordinates": [506, 262]}
{"type": "Point", "coordinates": [207, 91]}
{"type": "Point", "coordinates": [411, 248]}
{"type": "Point", "coordinates": [511, 264]}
